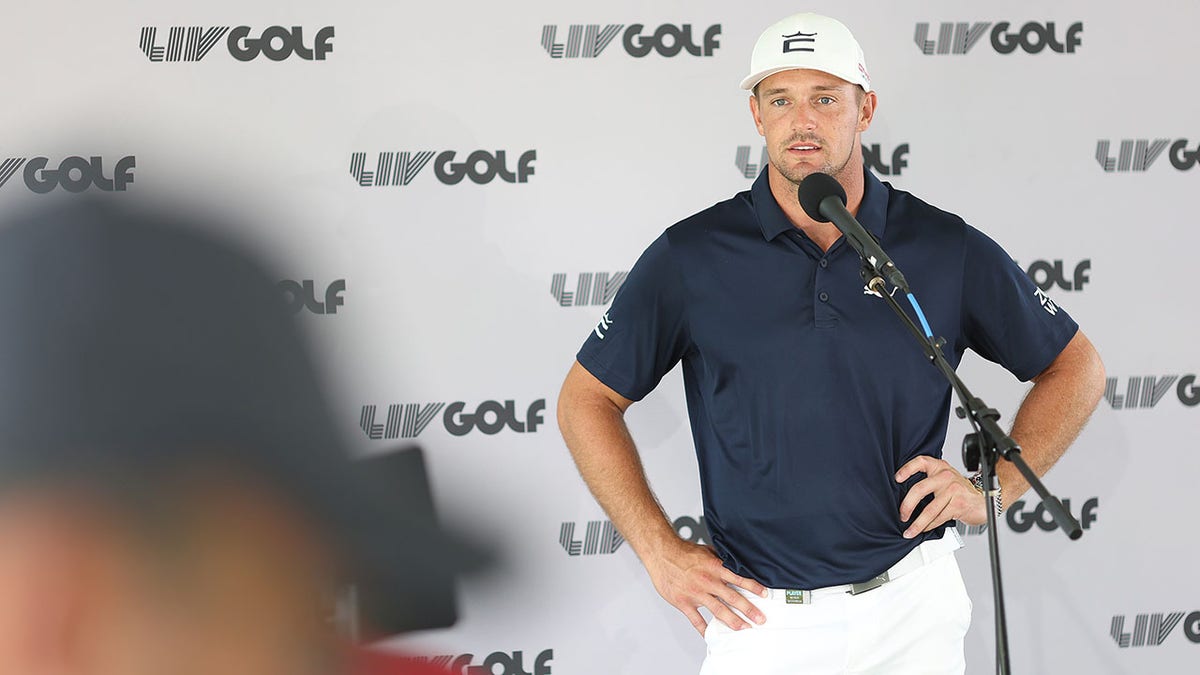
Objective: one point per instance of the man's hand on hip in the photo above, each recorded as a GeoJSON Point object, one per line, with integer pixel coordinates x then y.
{"type": "Point", "coordinates": [954, 498]}
{"type": "Point", "coordinates": [690, 576]}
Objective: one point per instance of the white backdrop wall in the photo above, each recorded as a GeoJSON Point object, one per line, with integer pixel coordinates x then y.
{"type": "Point", "coordinates": [468, 292]}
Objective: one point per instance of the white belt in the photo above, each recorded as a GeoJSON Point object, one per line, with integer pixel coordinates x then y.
{"type": "Point", "coordinates": [922, 555]}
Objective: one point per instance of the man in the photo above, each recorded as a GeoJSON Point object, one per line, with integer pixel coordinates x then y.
{"type": "Point", "coordinates": [174, 497]}
{"type": "Point", "coordinates": [818, 424]}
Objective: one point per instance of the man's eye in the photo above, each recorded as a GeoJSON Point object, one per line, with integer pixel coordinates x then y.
{"type": "Point", "coordinates": [825, 100]}
{"type": "Point", "coordinates": [779, 102]}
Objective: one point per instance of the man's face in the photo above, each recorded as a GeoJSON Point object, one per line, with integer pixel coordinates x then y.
{"type": "Point", "coordinates": [811, 121]}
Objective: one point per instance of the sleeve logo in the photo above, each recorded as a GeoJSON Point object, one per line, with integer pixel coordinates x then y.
{"type": "Point", "coordinates": [604, 325]}
{"type": "Point", "coordinates": [1047, 303]}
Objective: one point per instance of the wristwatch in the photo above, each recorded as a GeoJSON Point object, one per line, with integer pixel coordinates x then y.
{"type": "Point", "coordinates": [977, 481]}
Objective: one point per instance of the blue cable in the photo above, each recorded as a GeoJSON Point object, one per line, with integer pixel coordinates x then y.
{"type": "Point", "coordinates": [920, 315]}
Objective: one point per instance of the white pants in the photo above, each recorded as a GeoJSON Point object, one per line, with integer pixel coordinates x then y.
{"type": "Point", "coordinates": [913, 624]}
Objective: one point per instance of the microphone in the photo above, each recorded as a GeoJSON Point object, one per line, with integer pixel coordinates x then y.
{"type": "Point", "coordinates": [824, 200]}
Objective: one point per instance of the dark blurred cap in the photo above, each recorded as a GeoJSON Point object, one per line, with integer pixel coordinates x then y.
{"type": "Point", "coordinates": [136, 345]}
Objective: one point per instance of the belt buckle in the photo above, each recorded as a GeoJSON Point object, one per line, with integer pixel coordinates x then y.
{"type": "Point", "coordinates": [869, 585]}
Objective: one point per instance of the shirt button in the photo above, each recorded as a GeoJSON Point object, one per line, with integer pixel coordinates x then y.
{"type": "Point", "coordinates": [824, 296]}
{"type": "Point", "coordinates": [824, 262]}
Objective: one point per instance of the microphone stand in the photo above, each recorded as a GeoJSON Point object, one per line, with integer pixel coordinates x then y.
{"type": "Point", "coordinates": [982, 448]}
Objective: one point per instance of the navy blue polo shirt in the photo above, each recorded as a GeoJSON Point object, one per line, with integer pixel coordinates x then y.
{"type": "Point", "coordinates": [806, 394]}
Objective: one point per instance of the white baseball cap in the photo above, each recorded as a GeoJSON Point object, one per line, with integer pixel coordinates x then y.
{"type": "Point", "coordinates": [808, 41]}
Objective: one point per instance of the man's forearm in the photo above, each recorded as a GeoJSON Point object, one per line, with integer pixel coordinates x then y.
{"type": "Point", "coordinates": [688, 576]}
{"type": "Point", "coordinates": [595, 432]}
{"type": "Point", "coordinates": [1053, 413]}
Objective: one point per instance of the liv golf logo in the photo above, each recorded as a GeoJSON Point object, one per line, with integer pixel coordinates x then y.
{"type": "Point", "coordinates": [193, 43]}
{"type": "Point", "coordinates": [1148, 390]}
{"type": "Point", "coordinates": [73, 174]}
{"type": "Point", "coordinates": [408, 420]}
{"type": "Point", "coordinates": [591, 288]}
{"type": "Point", "coordinates": [1138, 154]}
{"type": "Point", "coordinates": [1048, 274]}
{"type": "Point", "coordinates": [510, 663]}
{"type": "Point", "coordinates": [588, 41]}
{"type": "Point", "coordinates": [481, 166]}
{"type": "Point", "coordinates": [303, 294]}
{"type": "Point", "coordinates": [600, 537]}
{"type": "Point", "coordinates": [883, 161]}
{"type": "Point", "coordinates": [1032, 37]}
{"type": "Point", "coordinates": [1151, 630]}
{"type": "Point", "coordinates": [1021, 518]}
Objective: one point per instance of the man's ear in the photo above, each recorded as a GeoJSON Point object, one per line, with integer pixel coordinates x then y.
{"type": "Point", "coordinates": [754, 111]}
{"type": "Point", "coordinates": [866, 112]}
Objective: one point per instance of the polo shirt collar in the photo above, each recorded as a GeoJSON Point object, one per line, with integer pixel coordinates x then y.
{"type": "Point", "coordinates": [872, 212]}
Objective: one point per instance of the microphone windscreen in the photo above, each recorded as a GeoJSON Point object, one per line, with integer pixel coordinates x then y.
{"type": "Point", "coordinates": [814, 189]}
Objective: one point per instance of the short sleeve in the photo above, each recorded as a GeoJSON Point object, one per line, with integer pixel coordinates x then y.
{"type": "Point", "coordinates": [1007, 318]}
{"type": "Point", "coordinates": [644, 332]}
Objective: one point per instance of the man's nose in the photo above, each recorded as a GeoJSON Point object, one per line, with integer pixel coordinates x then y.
{"type": "Point", "coordinates": [804, 118]}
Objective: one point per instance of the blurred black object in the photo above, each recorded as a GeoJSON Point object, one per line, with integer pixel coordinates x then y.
{"type": "Point", "coordinates": [436, 607]}
{"type": "Point", "coordinates": [139, 349]}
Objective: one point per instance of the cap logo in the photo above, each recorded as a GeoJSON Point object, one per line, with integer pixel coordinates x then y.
{"type": "Point", "coordinates": [796, 41]}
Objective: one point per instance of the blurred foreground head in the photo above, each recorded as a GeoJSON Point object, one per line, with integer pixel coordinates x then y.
{"type": "Point", "coordinates": [173, 495]}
